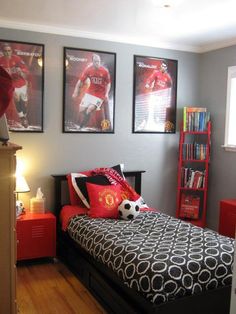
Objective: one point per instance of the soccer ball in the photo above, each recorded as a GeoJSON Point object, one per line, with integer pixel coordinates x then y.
{"type": "Point", "coordinates": [128, 210]}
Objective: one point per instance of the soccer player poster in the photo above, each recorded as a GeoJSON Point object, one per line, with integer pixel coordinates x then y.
{"type": "Point", "coordinates": [154, 97]}
{"type": "Point", "coordinates": [24, 63]}
{"type": "Point", "coordinates": [89, 91]}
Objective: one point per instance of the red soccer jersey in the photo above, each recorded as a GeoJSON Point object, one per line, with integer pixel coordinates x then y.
{"type": "Point", "coordinates": [99, 78]}
{"type": "Point", "coordinates": [11, 65]}
{"type": "Point", "coordinates": [161, 80]}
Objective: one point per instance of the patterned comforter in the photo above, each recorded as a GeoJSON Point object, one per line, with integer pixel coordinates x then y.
{"type": "Point", "coordinates": [160, 256]}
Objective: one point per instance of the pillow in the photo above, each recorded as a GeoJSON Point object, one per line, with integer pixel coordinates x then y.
{"type": "Point", "coordinates": [104, 200]}
{"type": "Point", "coordinates": [74, 197]}
{"type": "Point", "coordinates": [77, 184]}
{"type": "Point", "coordinates": [81, 186]}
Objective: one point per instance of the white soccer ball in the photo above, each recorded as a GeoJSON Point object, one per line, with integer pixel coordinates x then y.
{"type": "Point", "coordinates": [128, 210]}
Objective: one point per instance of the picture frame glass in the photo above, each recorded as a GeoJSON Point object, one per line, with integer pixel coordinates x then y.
{"type": "Point", "coordinates": [25, 64]}
{"type": "Point", "coordinates": [154, 95]}
{"type": "Point", "coordinates": [89, 91]}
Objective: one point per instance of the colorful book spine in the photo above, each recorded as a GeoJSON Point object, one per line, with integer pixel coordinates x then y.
{"type": "Point", "coordinates": [194, 151]}
{"type": "Point", "coordinates": [195, 119]}
{"type": "Point", "coordinates": [184, 119]}
{"type": "Point", "coordinates": [193, 179]}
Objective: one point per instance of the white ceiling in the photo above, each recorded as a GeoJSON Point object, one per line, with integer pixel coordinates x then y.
{"type": "Point", "coordinates": [190, 25]}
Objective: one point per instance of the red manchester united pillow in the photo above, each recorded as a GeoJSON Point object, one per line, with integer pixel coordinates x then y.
{"type": "Point", "coordinates": [104, 200]}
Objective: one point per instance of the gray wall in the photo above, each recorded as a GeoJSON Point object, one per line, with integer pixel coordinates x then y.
{"type": "Point", "coordinates": [53, 152]}
{"type": "Point", "coordinates": [213, 87]}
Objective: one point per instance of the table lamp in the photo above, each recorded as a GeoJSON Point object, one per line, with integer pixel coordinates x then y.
{"type": "Point", "coordinates": [21, 187]}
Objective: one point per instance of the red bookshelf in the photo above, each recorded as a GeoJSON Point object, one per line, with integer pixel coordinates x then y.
{"type": "Point", "coordinates": [193, 173]}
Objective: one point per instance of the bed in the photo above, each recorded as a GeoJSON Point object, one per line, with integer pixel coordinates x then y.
{"type": "Point", "coordinates": [177, 284]}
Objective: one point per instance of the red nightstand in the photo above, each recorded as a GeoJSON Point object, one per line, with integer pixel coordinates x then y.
{"type": "Point", "coordinates": [36, 236]}
{"type": "Point", "coordinates": [227, 221]}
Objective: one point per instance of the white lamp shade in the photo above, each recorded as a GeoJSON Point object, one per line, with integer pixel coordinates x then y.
{"type": "Point", "coordinates": [21, 185]}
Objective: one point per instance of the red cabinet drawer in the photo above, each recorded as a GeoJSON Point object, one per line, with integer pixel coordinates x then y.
{"type": "Point", "coordinates": [227, 221]}
{"type": "Point", "coordinates": [36, 236]}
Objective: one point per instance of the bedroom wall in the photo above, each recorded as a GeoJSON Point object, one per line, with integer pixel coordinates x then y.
{"type": "Point", "coordinates": [53, 152]}
{"type": "Point", "coordinates": [213, 88]}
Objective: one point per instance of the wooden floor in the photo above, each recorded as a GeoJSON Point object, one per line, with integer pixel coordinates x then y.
{"type": "Point", "coordinates": [50, 288]}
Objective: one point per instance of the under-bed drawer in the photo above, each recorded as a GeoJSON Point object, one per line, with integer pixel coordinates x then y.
{"type": "Point", "coordinates": [113, 301]}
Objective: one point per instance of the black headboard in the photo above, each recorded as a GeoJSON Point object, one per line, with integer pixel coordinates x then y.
{"type": "Point", "coordinates": [60, 181]}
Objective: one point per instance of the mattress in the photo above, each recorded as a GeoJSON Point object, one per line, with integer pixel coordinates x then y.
{"type": "Point", "coordinates": [161, 257]}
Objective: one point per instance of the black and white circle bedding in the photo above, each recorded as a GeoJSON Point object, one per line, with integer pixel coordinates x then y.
{"type": "Point", "coordinates": [160, 256]}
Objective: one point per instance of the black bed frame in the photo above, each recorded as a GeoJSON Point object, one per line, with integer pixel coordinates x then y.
{"type": "Point", "coordinates": [110, 291]}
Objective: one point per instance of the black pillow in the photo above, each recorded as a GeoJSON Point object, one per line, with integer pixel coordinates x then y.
{"type": "Point", "coordinates": [81, 184]}
{"type": "Point", "coordinates": [97, 179]}
{"type": "Point", "coordinates": [119, 170]}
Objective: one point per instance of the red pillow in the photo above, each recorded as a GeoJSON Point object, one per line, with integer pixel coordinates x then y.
{"type": "Point", "coordinates": [104, 200]}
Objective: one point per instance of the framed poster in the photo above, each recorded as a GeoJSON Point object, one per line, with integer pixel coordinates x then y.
{"type": "Point", "coordinates": [25, 64]}
{"type": "Point", "coordinates": [89, 91]}
{"type": "Point", "coordinates": [154, 95]}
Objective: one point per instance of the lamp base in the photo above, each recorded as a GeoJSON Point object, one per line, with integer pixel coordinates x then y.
{"type": "Point", "coordinates": [19, 208]}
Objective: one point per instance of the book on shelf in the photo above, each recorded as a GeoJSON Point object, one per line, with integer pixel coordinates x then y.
{"type": "Point", "coordinates": [193, 179]}
{"type": "Point", "coordinates": [196, 109]}
{"type": "Point", "coordinates": [194, 151]}
{"type": "Point", "coordinates": [197, 180]}
{"type": "Point", "coordinates": [189, 206]}
{"type": "Point", "coordinates": [195, 119]}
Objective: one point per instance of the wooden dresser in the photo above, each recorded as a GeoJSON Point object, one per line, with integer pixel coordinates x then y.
{"type": "Point", "coordinates": [7, 229]}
